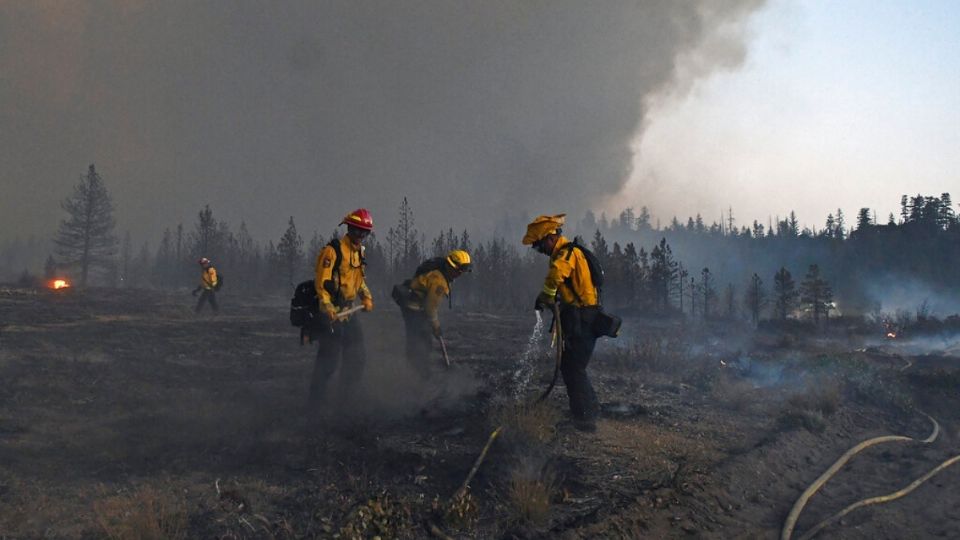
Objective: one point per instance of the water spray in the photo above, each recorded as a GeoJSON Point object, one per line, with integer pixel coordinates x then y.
{"type": "Point", "coordinates": [556, 340]}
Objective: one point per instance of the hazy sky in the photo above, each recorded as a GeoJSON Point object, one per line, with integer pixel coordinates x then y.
{"type": "Point", "coordinates": [839, 104]}
{"type": "Point", "coordinates": [473, 110]}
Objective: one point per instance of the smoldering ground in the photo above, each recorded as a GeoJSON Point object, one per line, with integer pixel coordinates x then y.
{"type": "Point", "coordinates": [112, 399]}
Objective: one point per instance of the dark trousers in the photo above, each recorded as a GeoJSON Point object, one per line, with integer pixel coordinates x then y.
{"type": "Point", "coordinates": [208, 296]}
{"type": "Point", "coordinates": [578, 343]}
{"type": "Point", "coordinates": [419, 341]}
{"type": "Point", "coordinates": [343, 346]}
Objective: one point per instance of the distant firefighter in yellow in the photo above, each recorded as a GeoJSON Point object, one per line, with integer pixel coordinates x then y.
{"type": "Point", "coordinates": [209, 285]}
{"type": "Point", "coordinates": [420, 298]}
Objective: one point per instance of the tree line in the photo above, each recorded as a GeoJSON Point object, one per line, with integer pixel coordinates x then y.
{"type": "Point", "coordinates": [689, 269]}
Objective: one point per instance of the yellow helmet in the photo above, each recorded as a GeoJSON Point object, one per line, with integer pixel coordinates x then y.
{"type": "Point", "coordinates": [541, 227]}
{"type": "Point", "coordinates": [459, 260]}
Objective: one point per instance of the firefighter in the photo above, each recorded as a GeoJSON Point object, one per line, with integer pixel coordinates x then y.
{"type": "Point", "coordinates": [340, 283]}
{"type": "Point", "coordinates": [209, 283]}
{"type": "Point", "coordinates": [428, 288]}
{"type": "Point", "coordinates": [570, 284]}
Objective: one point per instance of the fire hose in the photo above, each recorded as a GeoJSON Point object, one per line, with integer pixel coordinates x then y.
{"type": "Point", "coordinates": [794, 515]}
{"type": "Point", "coordinates": [557, 342]}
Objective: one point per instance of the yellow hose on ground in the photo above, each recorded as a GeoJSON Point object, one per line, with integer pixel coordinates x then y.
{"type": "Point", "coordinates": [794, 515]}
{"type": "Point", "coordinates": [880, 499]}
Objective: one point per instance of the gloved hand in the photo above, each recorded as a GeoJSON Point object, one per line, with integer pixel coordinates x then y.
{"type": "Point", "coordinates": [331, 313]}
{"type": "Point", "coordinates": [367, 304]}
{"type": "Point", "coordinates": [544, 300]}
{"type": "Point", "coordinates": [435, 325]}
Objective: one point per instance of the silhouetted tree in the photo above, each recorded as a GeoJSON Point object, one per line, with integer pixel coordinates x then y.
{"type": "Point", "coordinates": [863, 219]}
{"type": "Point", "coordinates": [290, 252]}
{"type": "Point", "coordinates": [815, 294]}
{"type": "Point", "coordinates": [785, 293]}
{"type": "Point", "coordinates": [85, 239]}
{"type": "Point", "coordinates": [755, 298]}
{"type": "Point", "coordinates": [706, 287]}
{"type": "Point", "coordinates": [663, 272]}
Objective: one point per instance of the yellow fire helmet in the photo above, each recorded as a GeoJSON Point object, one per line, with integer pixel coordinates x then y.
{"type": "Point", "coordinates": [459, 260]}
{"type": "Point", "coordinates": [542, 227]}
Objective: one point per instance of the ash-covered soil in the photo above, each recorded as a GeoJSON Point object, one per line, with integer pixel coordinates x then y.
{"type": "Point", "coordinates": [123, 414]}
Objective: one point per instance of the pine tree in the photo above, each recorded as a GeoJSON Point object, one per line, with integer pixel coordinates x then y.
{"type": "Point", "coordinates": [599, 247]}
{"type": "Point", "coordinates": [706, 287]}
{"type": "Point", "coordinates": [164, 263]}
{"type": "Point", "coordinates": [863, 219]}
{"type": "Point", "coordinates": [663, 272]}
{"type": "Point", "coordinates": [207, 238]}
{"type": "Point", "coordinates": [290, 252]}
{"type": "Point", "coordinates": [85, 239]}
{"type": "Point", "coordinates": [785, 293]}
{"type": "Point", "coordinates": [755, 298]}
{"type": "Point", "coordinates": [815, 294]}
{"type": "Point", "coordinates": [729, 294]}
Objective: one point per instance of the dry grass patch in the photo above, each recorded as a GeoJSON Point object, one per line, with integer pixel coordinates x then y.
{"type": "Point", "coordinates": [735, 394]}
{"type": "Point", "coordinates": [529, 496]}
{"type": "Point", "coordinates": [145, 514]}
{"type": "Point", "coordinates": [529, 425]}
{"type": "Point", "coordinates": [810, 408]}
{"type": "Point", "coordinates": [380, 516]}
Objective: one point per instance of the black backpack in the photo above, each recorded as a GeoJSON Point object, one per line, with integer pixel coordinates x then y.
{"type": "Point", "coordinates": [604, 324]}
{"type": "Point", "coordinates": [402, 294]}
{"type": "Point", "coordinates": [429, 265]}
{"type": "Point", "coordinates": [593, 263]}
{"type": "Point", "coordinates": [305, 305]}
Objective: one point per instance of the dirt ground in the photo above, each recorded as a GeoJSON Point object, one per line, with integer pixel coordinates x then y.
{"type": "Point", "coordinates": [123, 414]}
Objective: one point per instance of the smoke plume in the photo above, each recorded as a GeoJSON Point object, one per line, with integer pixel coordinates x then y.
{"type": "Point", "coordinates": [265, 110]}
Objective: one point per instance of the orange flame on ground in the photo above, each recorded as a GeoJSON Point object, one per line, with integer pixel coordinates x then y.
{"type": "Point", "coordinates": [59, 284]}
{"type": "Point", "coordinates": [891, 335]}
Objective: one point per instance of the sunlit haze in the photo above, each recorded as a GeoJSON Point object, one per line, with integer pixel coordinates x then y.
{"type": "Point", "coordinates": [838, 105]}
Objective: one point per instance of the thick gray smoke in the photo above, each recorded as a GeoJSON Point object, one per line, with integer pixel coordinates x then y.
{"type": "Point", "coordinates": [268, 109]}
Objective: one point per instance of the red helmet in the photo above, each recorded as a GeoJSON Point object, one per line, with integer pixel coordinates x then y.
{"type": "Point", "coordinates": [359, 218]}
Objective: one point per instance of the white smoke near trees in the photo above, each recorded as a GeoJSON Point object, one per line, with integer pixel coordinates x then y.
{"type": "Point", "coordinates": [473, 110]}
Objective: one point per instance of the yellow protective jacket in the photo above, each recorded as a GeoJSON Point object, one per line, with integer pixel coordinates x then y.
{"type": "Point", "coordinates": [429, 290]}
{"type": "Point", "coordinates": [350, 279]}
{"type": "Point", "coordinates": [208, 278]}
{"type": "Point", "coordinates": [569, 276]}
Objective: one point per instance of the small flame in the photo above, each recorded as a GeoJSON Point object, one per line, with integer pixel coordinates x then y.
{"type": "Point", "coordinates": [60, 284]}
{"type": "Point", "coordinates": [891, 335]}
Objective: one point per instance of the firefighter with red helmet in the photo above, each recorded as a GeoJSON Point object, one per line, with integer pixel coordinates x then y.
{"type": "Point", "coordinates": [209, 283]}
{"type": "Point", "coordinates": [340, 283]}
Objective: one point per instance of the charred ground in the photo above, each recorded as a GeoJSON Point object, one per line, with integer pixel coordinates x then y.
{"type": "Point", "coordinates": [123, 413]}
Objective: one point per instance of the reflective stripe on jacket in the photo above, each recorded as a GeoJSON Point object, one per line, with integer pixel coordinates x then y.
{"type": "Point", "coordinates": [351, 274]}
